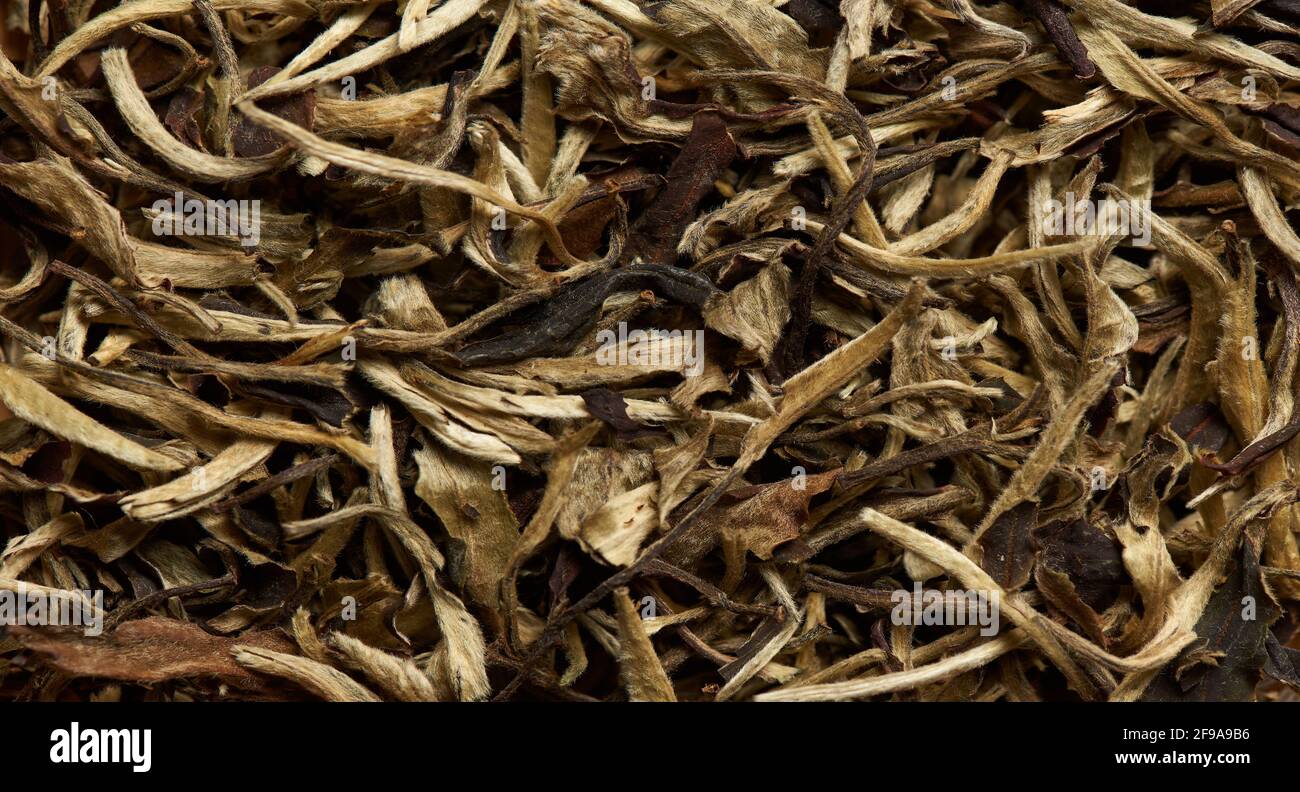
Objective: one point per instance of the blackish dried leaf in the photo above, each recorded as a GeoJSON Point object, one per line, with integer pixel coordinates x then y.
{"type": "Point", "coordinates": [610, 407]}
{"type": "Point", "coordinates": [1007, 547]}
{"type": "Point", "coordinates": [1226, 661]}
{"type": "Point", "coordinates": [1087, 556]}
{"type": "Point", "coordinates": [708, 150]}
{"type": "Point", "coordinates": [251, 140]}
{"type": "Point", "coordinates": [556, 325]}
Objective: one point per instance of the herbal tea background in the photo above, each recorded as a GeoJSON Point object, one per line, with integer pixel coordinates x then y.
{"type": "Point", "coordinates": [544, 349]}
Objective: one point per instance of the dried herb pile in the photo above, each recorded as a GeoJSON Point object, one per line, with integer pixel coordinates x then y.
{"type": "Point", "coordinates": [617, 350]}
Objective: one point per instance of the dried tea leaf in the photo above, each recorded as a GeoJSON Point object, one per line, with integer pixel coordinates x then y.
{"type": "Point", "coordinates": [1007, 549]}
{"type": "Point", "coordinates": [152, 650]}
{"type": "Point", "coordinates": [1227, 661]}
{"type": "Point", "coordinates": [643, 675]}
{"type": "Point", "coordinates": [36, 405]}
{"type": "Point", "coordinates": [328, 683]}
